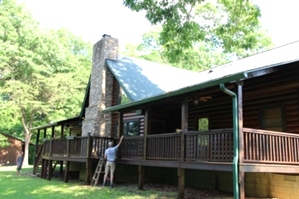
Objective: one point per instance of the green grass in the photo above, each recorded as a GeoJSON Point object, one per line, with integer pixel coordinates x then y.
{"type": "Point", "coordinates": [27, 186]}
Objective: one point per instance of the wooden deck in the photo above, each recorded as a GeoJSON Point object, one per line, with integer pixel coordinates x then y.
{"type": "Point", "coordinates": [263, 151]}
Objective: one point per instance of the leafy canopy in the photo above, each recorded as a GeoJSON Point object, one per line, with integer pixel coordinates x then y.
{"type": "Point", "coordinates": [43, 73]}
{"type": "Point", "coordinates": [229, 26]}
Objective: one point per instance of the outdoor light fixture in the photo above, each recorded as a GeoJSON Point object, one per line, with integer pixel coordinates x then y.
{"type": "Point", "coordinates": [196, 100]}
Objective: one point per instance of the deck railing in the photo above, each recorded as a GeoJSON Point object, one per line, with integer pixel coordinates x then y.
{"type": "Point", "coordinates": [132, 147]}
{"type": "Point", "coordinates": [164, 146]}
{"type": "Point", "coordinates": [260, 146]}
{"type": "Point", "coordinates": [213, 145]}
{"type": "Point", "coordinates": [88, 146]}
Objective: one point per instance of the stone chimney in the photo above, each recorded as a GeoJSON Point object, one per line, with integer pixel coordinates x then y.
{"type": "Point", "coordinates": [100, 97]}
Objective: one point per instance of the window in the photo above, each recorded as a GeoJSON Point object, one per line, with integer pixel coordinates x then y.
{"type": "Point", "coordinates": [203, 124]}
{"type": "Point", "coordinates": [272, 119]}
{"type": "Point", "coordinates": [131, 128]}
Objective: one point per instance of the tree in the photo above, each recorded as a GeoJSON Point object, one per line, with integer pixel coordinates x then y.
{"type": "Point", "coordinates": [3, 141]}
{"type": "Point", "coordinates": [43, 73]}
{"type": "Point", "coordinates": [228, 26]}
{"type": "Point", "coordinates": [201, 57]}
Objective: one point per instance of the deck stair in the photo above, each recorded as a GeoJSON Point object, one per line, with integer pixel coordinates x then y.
{"type": "Point", "coordinates": [98, 171]}
{"type": "Point", "coordinates": [38, 160]}
{"type": "Point", "coordinates": [53, 168]}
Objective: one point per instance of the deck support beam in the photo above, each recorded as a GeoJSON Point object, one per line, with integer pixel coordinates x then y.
{"type": "Point", "coordinates": [46, 169]}
{"type": "Point", "coordinates": [43, 168]}
{"type": "Point", "coordinates": [61, 167]}
{"type": "Point", "coordinates": [49, 170]}
{"type": "Point", "coordinates": [140, 177]}
{"type": "Point", "coordinates": [88, 171]}
{"type": "Point", "coordinates": [66, 172]}
{"type": "Point", "coordinates": [181, 183]}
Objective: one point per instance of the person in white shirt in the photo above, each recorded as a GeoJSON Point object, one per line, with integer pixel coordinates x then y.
{"type": "Point", "coordinates": [110, 156]}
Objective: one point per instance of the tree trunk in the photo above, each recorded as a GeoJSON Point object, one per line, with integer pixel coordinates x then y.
{"type": "Point", "coordinates": [27, 136]}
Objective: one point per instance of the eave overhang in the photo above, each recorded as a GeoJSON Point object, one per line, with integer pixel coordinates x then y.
{"type": "Point", "coordinates": [186, 90]}
{"type": "Point", "coordinates": [74, 120]}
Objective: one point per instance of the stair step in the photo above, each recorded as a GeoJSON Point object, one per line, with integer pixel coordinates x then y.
{"type": "Point", "coordinates": [98, 171]}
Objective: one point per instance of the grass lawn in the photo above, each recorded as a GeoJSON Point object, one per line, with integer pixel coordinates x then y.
{"type": "Point", "coordinates": [26, 186]}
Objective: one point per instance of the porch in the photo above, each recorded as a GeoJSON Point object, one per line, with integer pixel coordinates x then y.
{"type": "Point", "coordinates": [260, 151]}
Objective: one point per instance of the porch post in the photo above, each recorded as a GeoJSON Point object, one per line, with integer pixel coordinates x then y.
{"type": "Point", "coordinates": [50, 150]}
{"type": "Point", "coordinates": [62, 131]}
{"type": "Point", "coordinates": [53, 130]}
{"type": "Point", "coordinates": [120, 124]}
{"type": "Point", "coordinates": [185, 115]}
{"type": "Point", "coordinates": [184, 126]}
{"type": "Point", "coordinates": [147, 128]}
{"type": "Point", "coordinates": [88, 147]}
{"type": "Point", "coordinates": [45, 133]}
{"type": "Point", "coordinates": [51, 140]}
{"type": "Point", "coordinates": [120, 129]}
{"type": "Point", "coordinates": [67, 147]}
{"type": "Point", "coordinates": [61, 136]}
{"type": "Point", "coordinates": [241, 140]}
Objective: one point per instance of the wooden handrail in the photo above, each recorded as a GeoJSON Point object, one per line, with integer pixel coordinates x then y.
{"type": "Point", "coordinates": [262, 146]}
{"type": "Point", "coordinates": [85, 146]}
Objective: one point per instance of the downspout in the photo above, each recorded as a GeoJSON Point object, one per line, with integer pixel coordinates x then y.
{"type": "Point", "coordinates": [236, 139]}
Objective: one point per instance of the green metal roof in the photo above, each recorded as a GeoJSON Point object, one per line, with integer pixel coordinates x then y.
{"type": "Point", "coordinates": [74, 121]}
{"type": "Point", "coordinates": [141, 79]}
{"type": "Point", "coordinates": [178, 92]}
{"type": "Point", "coordinates": [130, 73]}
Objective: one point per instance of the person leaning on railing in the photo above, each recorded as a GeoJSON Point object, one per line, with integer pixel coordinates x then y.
{"type": "Point", "coordinates": [110, 156]}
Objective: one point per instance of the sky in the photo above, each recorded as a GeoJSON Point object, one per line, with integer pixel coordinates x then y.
{"type": "Point", "coordinates": [90, 19]}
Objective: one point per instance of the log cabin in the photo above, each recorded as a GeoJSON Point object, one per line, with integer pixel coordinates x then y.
{"type": "Point", "coordinates": [232, 128]}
